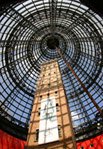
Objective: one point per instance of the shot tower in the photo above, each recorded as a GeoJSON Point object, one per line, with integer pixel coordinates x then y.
{"type": "Point", "coordinates": [50, 123]}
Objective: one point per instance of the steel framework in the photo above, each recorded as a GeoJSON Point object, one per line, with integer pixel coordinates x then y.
{"type": "Point", "coordinates": [25, 28]}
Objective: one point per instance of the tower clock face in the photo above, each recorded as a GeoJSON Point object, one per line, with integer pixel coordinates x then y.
{"type": "Point", "coordinates": [48, 128]}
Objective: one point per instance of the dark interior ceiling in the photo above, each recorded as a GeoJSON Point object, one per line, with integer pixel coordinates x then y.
{"type": "Point", "coordinates": [96, 6]}
{"type": "Point", "coordinates": [29, 30]}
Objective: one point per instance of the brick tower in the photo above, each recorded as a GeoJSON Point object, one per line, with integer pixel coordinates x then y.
{"type": "Point", "coordinates": [50, 123]}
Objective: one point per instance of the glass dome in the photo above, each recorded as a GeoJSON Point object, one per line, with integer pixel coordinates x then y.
{"type": "Point", "coordinates": [26, 30]}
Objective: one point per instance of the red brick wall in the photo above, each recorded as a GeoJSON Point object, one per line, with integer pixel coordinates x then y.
{"type": "Point", "coordinates": [94, 143]}
{"type": "Point", "coordinates": [9, 142]}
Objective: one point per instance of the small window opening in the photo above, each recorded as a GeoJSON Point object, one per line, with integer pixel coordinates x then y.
{"type": "Point", "coordinates": [59, 130]}
{"type": "Point", "coordinates": [48, 94]}
{"type": "Point", "coordinates": [39, 111]}
{"type": "Point", "coordinates": [91, 145]}
{"type": "Point", "coordinates": [41, 97]}
{"type": "Point", "coordinates": [57, 107]}
{"type": "Point", "coordinates": [81, 147]}
{"type": "Point", "coordinates": [37, 135]}
{"type": "Point", "coordinates": [48, 84]}
{"type": "Point", "coordinates": [56, 92]}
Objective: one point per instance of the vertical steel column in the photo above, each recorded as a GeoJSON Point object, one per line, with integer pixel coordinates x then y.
{"type": "Point", "coordinates": [81, 83]}
{"type": "Point", "coordinates": [53, 16]}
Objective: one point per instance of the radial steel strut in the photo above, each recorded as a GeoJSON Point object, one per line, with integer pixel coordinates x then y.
{"type": "Point", "coordinates": [53, 16]}
{"type": "Point", "coordinates": [81, 83]}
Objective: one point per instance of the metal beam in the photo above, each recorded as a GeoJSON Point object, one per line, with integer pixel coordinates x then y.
{"type": "Point", "coordinates": [27, 22]}
{"type": "Point", "coordinates": [53, 16]}
{"type": "Point", "coordinates": [81, 83]}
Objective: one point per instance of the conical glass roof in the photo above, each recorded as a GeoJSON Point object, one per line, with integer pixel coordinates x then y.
{"type": "Point", "coordinates": [28, 31]}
